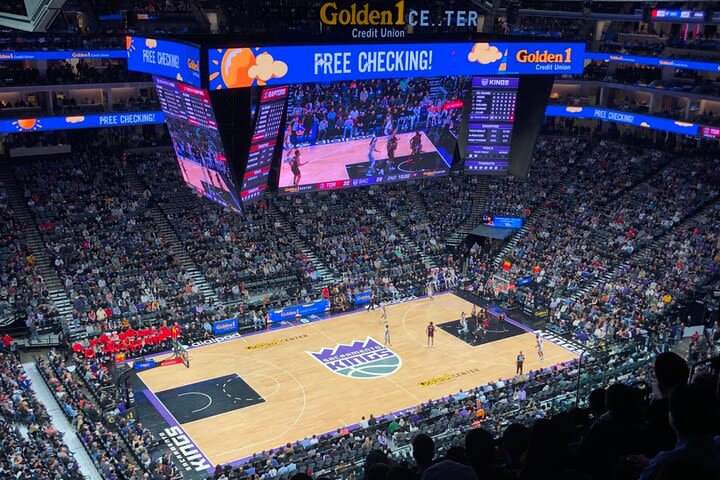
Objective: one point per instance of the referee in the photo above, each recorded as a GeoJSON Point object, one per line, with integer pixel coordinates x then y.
{"type": "Point", "coordinates": [519, 363]}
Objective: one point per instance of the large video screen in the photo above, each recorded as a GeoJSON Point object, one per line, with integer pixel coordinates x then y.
{"type": "Point", "coordinates": [490, 124]}
{"type": "Point", "coordinates": [263, 142]}
{"type": "Point", "coordinates": [364, 132]}
{"type": "Point", "coordinates": [197, 143]}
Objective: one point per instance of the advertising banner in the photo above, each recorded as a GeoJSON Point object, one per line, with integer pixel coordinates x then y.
{"type": "Point", "coordinates": [646, 121]}
{"type": "Point", "coordinates": [225, 326]}
{"type": "Point", "coordinates": [179, 61]}
{"type": "Point", "coordinates": [80, 121]}
{"type": "Point", "coordinates": [291, 313]}
{"type": "Point", "coordinates": [507, 222]}
{"type": "Point", "coordinates": [654, 61]}
{"type": "Point", "coordinates": [62, 55]}
{"type": "Point", "coordinates": [246, 67]}
{"type": "Point", "coordinates": [143, 364]}
{"type": "Point", "coordinates": [362, 298]}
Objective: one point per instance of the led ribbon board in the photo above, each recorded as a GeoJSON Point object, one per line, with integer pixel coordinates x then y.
{"type": "Point", "coordinates": [654, 61]}
{"type": "Point", "coordinates": [247, 67]}
{"type": "Point", "coordinates": [62, 55]}
{"type": "Point", "coordinates": [628, 118]}
{"type": "Point", "coordinates": [80, 121]}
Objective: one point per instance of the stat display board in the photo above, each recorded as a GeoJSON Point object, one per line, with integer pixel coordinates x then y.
{"type": "Point", "coordinates": [490, 124]}
{"type": "Point", "coordinates": [198, 146]}
{"type": "Point", "coordinates": [263, 144]}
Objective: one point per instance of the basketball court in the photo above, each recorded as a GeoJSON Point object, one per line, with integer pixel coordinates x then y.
{"type": "Point", "coordinates": [257, 392]}
{"type": "Point", "coordinates": [347, 160]}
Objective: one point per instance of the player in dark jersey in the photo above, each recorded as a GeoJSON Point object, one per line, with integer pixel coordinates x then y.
{"type": "Point", "coordinates": [415, 146]}
{"type": "Point", "coordinates": [430, 330]}
{"type": "Point", "coordinates": [392, 144]}
{"type": "Point", "coordinates": [295, 165]}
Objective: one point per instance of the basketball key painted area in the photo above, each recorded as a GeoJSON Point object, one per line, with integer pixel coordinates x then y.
{"type": "Point", "coordinates": [317, 377]}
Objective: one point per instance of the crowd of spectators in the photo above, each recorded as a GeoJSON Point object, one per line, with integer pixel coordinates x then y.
{"type": "Point", "coordinates": [238, 254]}
{"type": "Point", "coordinates": [120, 447]}
{"type": "Point", "coordinates": [39, 451]}
{"type": "Point", "coordinates": [101, 240]}
{"type": "Point", "coordinates": [11, 40]}
{"type": "Point", "coordinates": [343, 110]}
{"type": "Point", "coordinates": [24, 297]}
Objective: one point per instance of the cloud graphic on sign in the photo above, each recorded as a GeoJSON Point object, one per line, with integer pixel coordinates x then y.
{"type": "Point", "coordinates": [484, 53]}
{"type": "Point", "coordinates": [573, 109]}
{"type": "Point", "coordinates": [644, 124]}
{"type": "Point", "coordinates": [266, 67]}
{"type": "Point", "coordinates": [77, 119]}
{"type": "Point", "coordinates": [684, 124]}
{"type": "Point", "coordinates": [150, 42]}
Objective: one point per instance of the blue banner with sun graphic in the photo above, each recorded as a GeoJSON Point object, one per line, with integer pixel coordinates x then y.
{"type": "Point", "coordinates": [246, 67]}
{"type": "Point", "coordinates": [175, 60]}
{"type": "Point", "coordinates": [80, 121]}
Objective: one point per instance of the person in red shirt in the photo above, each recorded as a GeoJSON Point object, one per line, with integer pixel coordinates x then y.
{"type": "Point", "coordinates": [7, 341]}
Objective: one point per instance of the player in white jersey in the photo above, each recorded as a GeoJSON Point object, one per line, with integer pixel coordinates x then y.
{"type": "Point", "coordinates": [430, 292]}
{"type": "Point", "coordinates": [388, 343]}
{"type": "Point", "coordinates": [539, 346]}
{"type": "Point", "coordinates": [383, 313]}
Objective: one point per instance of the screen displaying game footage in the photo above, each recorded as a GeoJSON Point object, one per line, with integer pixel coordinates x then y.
{"type": "Point", "coordinates": [355, 133]}
{"type": "Point", "coordinates": [199, 149]}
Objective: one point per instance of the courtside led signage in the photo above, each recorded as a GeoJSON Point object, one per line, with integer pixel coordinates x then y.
{"type": "Point", "coordinates": [246, 67]}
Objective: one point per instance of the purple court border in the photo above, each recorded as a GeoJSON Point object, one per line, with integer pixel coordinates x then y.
{"type": "Point", "coordinates": [172, 422]}
{"type": "Point", "coordinates": [294, 323]}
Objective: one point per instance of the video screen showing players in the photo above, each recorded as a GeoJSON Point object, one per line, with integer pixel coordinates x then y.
{"type": "Point", "coordinates": [355, 133]}
{"type": "Point", "coordinates": [195, 137]}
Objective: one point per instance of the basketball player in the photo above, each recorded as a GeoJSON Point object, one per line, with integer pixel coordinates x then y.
{"type": "Point", "coordinates": [539, 346]}
{"type": "Point", "coordinates": [371, 156]}
{"type": "Point", "coordinates": [295, 165]}
{"type": "Point", "coordinates": [463, 324]}
{"type": "Point", "coordinates": [519, 363]}
{"type": "Point", "coordinates": [430, 292]}
{"type": "Point", "coordinates": [387, 336]}
{"type": "Point", "coordinates": [383, 313]}
{"type": "Point", "coordinates": [430, 330]}
{"type": "Point", "coordinates": [392, 144]}
{"type": "Point", "coordinates": [287, 142]}
{"type": "Point", "coordinates": [415, 146]}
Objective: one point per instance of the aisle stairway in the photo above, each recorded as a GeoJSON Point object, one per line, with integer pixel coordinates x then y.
{"type": "Point", "coordinates": [407, 242]}
{"type": "Point", "coordinates": [32, 236]}
{"type": "Point", "coordinates": [60, 422]}
{"type": "Point", "coordinates": [475, 217]}
{"type": "Point", "coordinates": [325, 275]}
{"type": "Point", "coordinates": [168, 233]}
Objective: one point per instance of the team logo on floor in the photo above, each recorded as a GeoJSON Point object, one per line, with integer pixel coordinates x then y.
{"type": "Point", "coordinates": [362, 359]}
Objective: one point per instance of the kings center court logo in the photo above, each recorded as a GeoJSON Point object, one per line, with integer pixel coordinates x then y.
{"type": "Point", "coordinates": [361, 359]}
